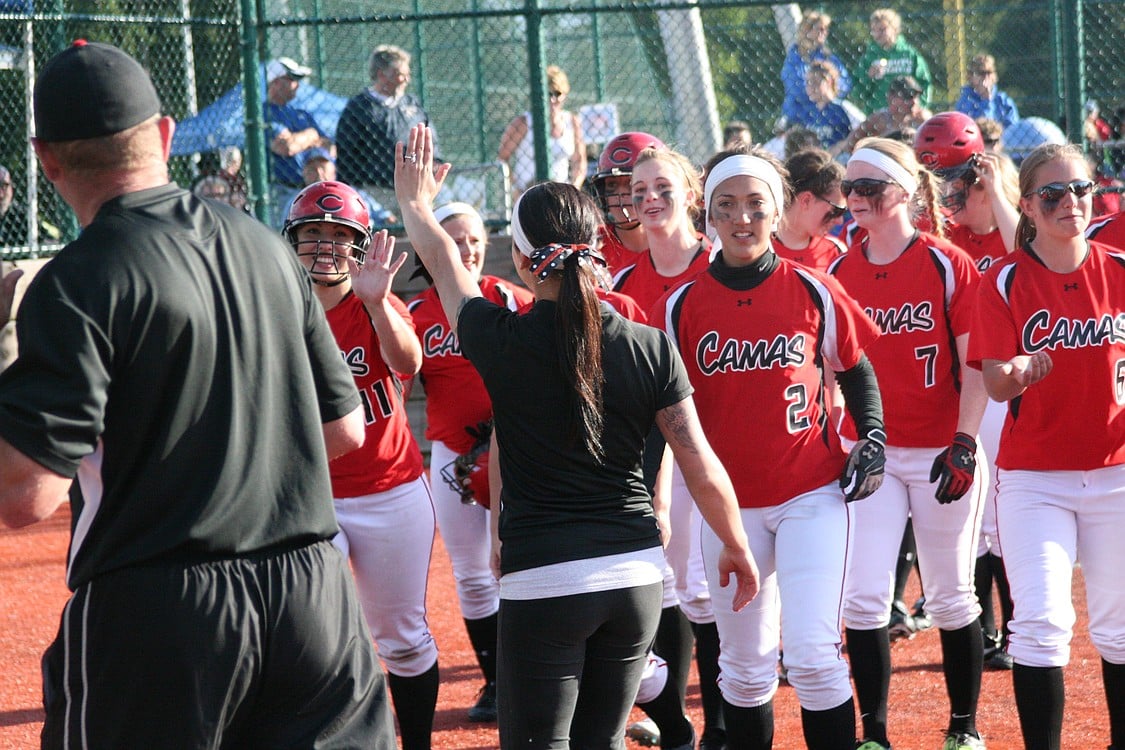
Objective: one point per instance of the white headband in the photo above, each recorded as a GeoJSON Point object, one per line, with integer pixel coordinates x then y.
{"type": "Point", "coordinates": [455, 209]}
{"type": "Point", "coordinates": [744, 164]}
{"type": "Point", "coordinates": [518, 236]}
{"type": "Point", "coordinates": [894, 170]}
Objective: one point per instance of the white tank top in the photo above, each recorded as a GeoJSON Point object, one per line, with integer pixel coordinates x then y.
{"type": "Point", "coordinates": [561, 148]}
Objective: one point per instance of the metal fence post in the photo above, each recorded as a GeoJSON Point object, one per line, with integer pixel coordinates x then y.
{"type": "Point", "coordinates": [257, 170]}
{"type": "Point", "coordinates": [540, 112]}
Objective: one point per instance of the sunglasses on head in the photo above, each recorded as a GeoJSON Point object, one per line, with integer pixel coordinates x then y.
{"type": "Point", "coordinates": [1055, 191]}
{"type": "Point", "coordinates": [836, 212]}
{"type": "Point", "coordinates": [864, 187]}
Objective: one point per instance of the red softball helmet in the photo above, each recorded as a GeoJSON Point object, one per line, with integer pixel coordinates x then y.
{"type": "Point", "coordinates": [330, 202]}
{"type": "Point", "coordinates": [948, 141]}
{"type": "Point", "coordinates": [617, 160]}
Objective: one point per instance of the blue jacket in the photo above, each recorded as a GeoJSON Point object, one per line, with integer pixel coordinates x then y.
{"type": "Point", "coordinates": [797, 104]}
{"type": "Point", "coordinates": [999, 106]}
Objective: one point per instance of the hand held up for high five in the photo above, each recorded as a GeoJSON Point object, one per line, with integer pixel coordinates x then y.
{"type": "Point", "coordinates": [372, 281]}
{"type": "Point", "coordinates": [416, 179]}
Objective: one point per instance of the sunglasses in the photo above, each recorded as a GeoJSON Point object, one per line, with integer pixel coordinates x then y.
{"type": "Point", "coordinates": [864, 187]}
{"type": "Point", "coordinates": [836, 212]}
{"type": "Point", "coordinates": [556, 94]}
{"type": "Point", "coordinates": [1055, 191]}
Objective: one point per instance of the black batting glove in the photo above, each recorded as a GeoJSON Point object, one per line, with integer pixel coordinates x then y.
{"type": "Point", "coordinates": [954, 468]}
{"type": "Point", "coordinates": [863, 471]}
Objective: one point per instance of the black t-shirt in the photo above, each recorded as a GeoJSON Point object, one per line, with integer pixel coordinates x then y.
{"type": "Point", "coordinates": [367, 134]}
{"type": "Point", "coordinates": [174, 358]}
{"type": "Point", "coordinates": [560, 504]}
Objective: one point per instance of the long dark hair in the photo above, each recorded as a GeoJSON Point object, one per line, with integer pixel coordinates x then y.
{"type": "Point", "coordinates": [559, 213]}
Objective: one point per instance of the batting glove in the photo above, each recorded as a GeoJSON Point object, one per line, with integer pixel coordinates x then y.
{"type": "Point", "coordinates": [954, 468]}
{"type": "Point", "coordinates": [863, 472]}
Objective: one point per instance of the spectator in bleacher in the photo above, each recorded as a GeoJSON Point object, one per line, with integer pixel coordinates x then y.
{"type": "Point", "coordinates": [798, 138]}
{"type": "Point", "coordinates": [888, 56]}
{"type": "Point", "coordinates": [827, 117]}
{"type": "Point", "coordinates": [981, 97]}
{"type": "Point", "coordinates": [374, 120]}
{"type": "Point", "coordinates": [811, 47]}
{"type": "Point", "coordinates": [990, 133]}
{"type": "Point", "coordinates": [567, 150]}
{"type": "Point", "coordinates": [1095, 129]}
{"type": "Point", "coordinates": [317, 165]}
{"type": "Point", "coordinates": [13, 216]}
{"type": "Point", "coordinates": [291, 130]}
{"type": "Point", "coordinates": [904, 110]}
{"type": "Point", "coordinates": [737, 133]}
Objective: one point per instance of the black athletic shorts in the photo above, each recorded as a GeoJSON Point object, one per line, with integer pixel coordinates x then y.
{"type": "Point", "coordinates": [267, 651]}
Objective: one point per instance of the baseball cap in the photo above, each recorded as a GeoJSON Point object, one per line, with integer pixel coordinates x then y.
{"type": "Point", "coordinates": [286, 66]}
{"type": "Point", "coordinates": [315, 153]}
{"type": "Point", "coordinates": [91, 90]}
{"type": "Point", "coordinates": [904, 85]}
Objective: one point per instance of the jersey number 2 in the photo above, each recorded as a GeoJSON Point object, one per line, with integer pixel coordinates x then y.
{"type": "Point", "coordinates": [798, 400]}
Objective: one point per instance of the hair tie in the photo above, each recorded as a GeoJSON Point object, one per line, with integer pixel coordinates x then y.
{"type": "Point", "coordinates": [550, 257]}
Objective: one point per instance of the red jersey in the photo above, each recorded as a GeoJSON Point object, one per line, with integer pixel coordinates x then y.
{"type": "Point", "coordinates": [455, 394]}
{"type": "Point", "coordinates": [755, 358]}
{"type": "Point", "coordinates": [1108, 230]}
{"type": "Point", "coordinates": [819, 254]}
{"type": "Point", "coordinates": [389, 455]}
{"type": "Point", "coordinates": [615, 252]}
{"type": "Point", "coordinates": [641, 281]}
{"type": "Point", "coordinates": [922, 301]}
{"type": "Point", "coordinates": [1073, 419]}
{"type": "Point", "coordinates": [984, 249]}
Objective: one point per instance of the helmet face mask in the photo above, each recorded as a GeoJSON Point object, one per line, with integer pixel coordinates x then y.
{"type": "Point", "coordinates": [329, 203]}
{"type": "Point", "coordinates": [617, 160]}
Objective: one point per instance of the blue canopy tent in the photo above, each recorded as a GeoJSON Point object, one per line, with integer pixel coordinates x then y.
{"type": "Point", "coordinates": [223, 122]}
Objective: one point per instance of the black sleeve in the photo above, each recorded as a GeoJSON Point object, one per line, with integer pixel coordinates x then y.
{"type": "Point", "coordinates": [861, 397]}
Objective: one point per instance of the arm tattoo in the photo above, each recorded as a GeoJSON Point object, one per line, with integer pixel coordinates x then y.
{"type": "Point", "coordinates": [676, 421]}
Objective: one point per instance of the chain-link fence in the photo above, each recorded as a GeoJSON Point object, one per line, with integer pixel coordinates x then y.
{"type": "Point", "coordinates": [478, 72]}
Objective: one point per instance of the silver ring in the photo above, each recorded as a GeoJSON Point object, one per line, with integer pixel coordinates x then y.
{"type": "Point", "coordinates": [411, 157]}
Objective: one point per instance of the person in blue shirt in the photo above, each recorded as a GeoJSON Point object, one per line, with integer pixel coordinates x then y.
{"type": "Point", "coordinates": [981, 97]}
{"type": "Point", "coordinates": [292, 131]}
{"type": "Point", "coordinates": [811, 47]}
{"type": "Point", "coordinates": [827, 118]}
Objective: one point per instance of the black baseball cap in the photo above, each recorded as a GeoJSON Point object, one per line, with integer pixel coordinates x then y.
{"type": "Point", "coordinates": [91, 90]}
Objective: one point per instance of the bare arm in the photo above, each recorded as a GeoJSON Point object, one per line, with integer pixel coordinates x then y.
{"type": "Point", "coordinates": [345, 434]}
{"type": "Point", "coordinates": [1006, 379]}
{"type": "Point", "coordinates": [1003, 212]}
{"type": "Point", "coordinates": [512, 137]}
{"type": "Point", "coordinates": [416, 185]}
{"type": "Point", "coordinates": [662, 497]}
{"type": "Point", "coordinates": [398, 343]}
{"type": "Point", "coordinates": [578, 158]}
{"type": "Point", "coordinates": [29, 492]}
{"type": "Point", "coordinates": [713, 492]}
{"type": "Point", "coordinates": [974, 398]}
{"type": "Point", "coordinates": [8, 294]}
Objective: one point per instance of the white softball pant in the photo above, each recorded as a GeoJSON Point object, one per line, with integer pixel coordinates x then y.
{"type": "Point", "coordinates": [684, 555]}
{"type": "Point", "coordinates": [1050, 520]}
{"type": "Point", "coordinates": [465, 532]}
{"type": "Point", "coordinates": [946, 536]}
{"type": "Point", "coordinates": [388, 537]}
{"type": "Point", "coordinates": [801, 548]}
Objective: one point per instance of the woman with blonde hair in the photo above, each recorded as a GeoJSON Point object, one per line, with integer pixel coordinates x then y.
{"type": "Point", "coordinates": [567, 149]}
{"type": "Point", "coordinates": [919, 289]}
{"type": "Point", "coordinates": [666, 191]}
{"type": "Point", "coordinates": [811, 46]}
